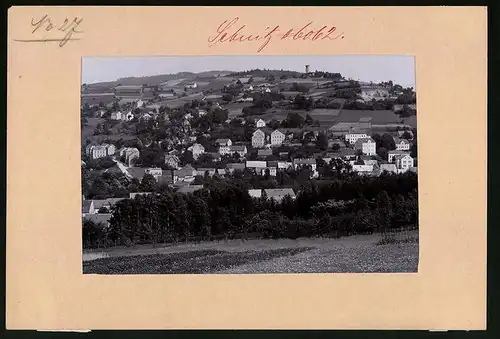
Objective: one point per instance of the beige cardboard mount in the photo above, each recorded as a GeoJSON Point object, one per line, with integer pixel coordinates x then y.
{"type": "Point", "coordinates": [45, 285]}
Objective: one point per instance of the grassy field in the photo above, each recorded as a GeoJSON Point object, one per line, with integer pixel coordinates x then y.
{"type": "Point", "coordinates": [353, 254]}
{"type": "Point", "coordinates": [378, 117]}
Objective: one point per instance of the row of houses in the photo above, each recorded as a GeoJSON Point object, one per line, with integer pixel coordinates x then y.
{"type": "Point", "coordinates": [260, 138]}
{"type": "Point", "coordinates": [106, 150]}
{"type": "Point", "coordinates": [401, 144]}
{"type": "Point", "coordinates": [119, 116]}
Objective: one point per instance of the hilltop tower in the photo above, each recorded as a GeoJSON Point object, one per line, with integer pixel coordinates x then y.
{"type": "Point", "coordinates": [307, 69]}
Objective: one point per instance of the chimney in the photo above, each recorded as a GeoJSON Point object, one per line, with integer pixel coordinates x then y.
{"type": "Point", "coordinates": [307, 69]}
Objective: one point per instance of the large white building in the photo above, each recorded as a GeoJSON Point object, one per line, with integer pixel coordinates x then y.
{"type": "Point", "coordinates": [392, 154]}
{"type": "Point", "coordinates": [353, 137]}
{"type": "Point", "coordinates": [116, 116]}
{"type": "Point", "coordinates": [366, 145]}
{"type": "Point", "coordinates": [257, 166]}
{"type": "Point", "coordinates": [402, 144]}
{"type": "Point", "coordinates": [224, 146]}
{"type": "Point", "coordinates": [258, 139]}
{"type": "Point", "coordinates": [403, 162]}
{"type": "Point", "coordinates": [130, 154]}
{"type": "Point", "coordinates": [363, 169]}
{"type": "Point", "coordinates": [100, 151]}
{"type": "Point", "coordinates": [277, 138]}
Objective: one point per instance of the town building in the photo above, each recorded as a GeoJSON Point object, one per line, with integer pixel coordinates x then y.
{"type": "Point", "coordinates": [184, 174]}
{"type": "Point", "coordinates": [277, 138]}
{"type": "Point", "coordinates": [300, 163]}
{"type": "Point", "coordinates": [128, 117]}
{"type": "Point", "coordinates": [363, 169]}
{"type": "Point", "coordinates": [255, 193]}
{"type": "Point", "coordinates": [353, 137]}
{"type": "Point", "coordinates": [264, 153]}
{"type": "Point", "coordinates": [272, 171]}
{"type": "Point", "coordinates": [392, 154]}
{"type": "Point", "coordinates": [258, 139]}
{"type": "Point", "coordinates": [257, 166]}
{"type": "Point", "coordinates": [366, 145]}
{"type": "Point", "coordinates": [403, 162]}
{"type": "Point", "coordinates": [87, 207]}
{"type": "Point", "coordinates": [231, 167]}
{"type": "Point", "coordinates": [284, 165]}
{"type": "Point", "coordinates": [116, 116]}
{"type": "Point", "coordinates": [100, 151]}
{"type": "Point", "coordinates": [197, 150]}
{"type": "Point", "coordinates": [391, 168]}
{"type": "Point", "coordinates": [224, 145]}
{"type": "Point", "coordinates": [240, 149]}
{"type": "Point", "coordinates": [277, 194]}
{"type": "Point", "coordinates": [402, 144]}
{"type": "Point", "coordinates": [260, 123]}
{"type": "Point", "coordinates": [216, 157]}
{"type": "Point", "coordinates": [206, 171]}
{"type": "Point", "coordinates": [155, 172]}
{"type": "Point", "coordinates": [130, 154]}
{"type": "Point", "coordinates": [172, 161]}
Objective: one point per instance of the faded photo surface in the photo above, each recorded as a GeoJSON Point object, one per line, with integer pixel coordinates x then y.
{"type": "Point", "coordinates": [249, 164]}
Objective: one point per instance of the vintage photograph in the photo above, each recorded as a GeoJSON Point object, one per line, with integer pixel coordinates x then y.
{"type": "Point", "coordinates": [249, 164]}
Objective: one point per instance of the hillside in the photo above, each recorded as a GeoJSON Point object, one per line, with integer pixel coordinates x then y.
{"type": "Point", "coordinates": [153, 80]}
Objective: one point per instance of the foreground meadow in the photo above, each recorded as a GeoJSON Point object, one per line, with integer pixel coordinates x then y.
{"type": "Point", "coordinates": [356, 254]}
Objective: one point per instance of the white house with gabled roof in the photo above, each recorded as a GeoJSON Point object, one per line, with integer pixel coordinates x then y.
{"type": "Point", "coordinates": [277, 138]}
{"type": "Point", "coordinates": [258, 139]}
{"type": "Point", "coordinates": [366, 145]}
{"type": "Point", "coordinates": [260, 123]}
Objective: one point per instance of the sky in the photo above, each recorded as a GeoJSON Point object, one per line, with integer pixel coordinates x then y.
{"type": "Point", "coordinates": [376, 68]}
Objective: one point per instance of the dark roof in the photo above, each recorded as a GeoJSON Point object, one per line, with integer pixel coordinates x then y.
{"type": "Point", "coordinates": [102, 218]}
{"type": "Point", "coordinates": [235, 166]}
{"type": "Point", "coordinates": [112, 201]}
{"type": "Point", "coordinates": [222, 141]}
{"type": "Point", "coordinates": [273, 192]}
{"type": "Point", "coordinates": [137, 172]}
{"type": "Point", "coordinates": [359, 143]}
{"type": "Point", "coordinates": [185, 171]}
{"type": "Point", "coordinates": [238, 148]}
{"type": "Point", "coordinates": [99, 203]}
{"type": "Point", "coordinates": [166, 177]}
{"type": "Point", "coordinates": [304, 161]}
{"type": "Point", "coordinates": [264, 152]}
{"type": "Point", "coordinates": [214, 154]}
{"type": "Point", "coordinates": [86, 206]}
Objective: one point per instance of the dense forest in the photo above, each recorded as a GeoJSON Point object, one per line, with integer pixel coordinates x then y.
{"type": "Point", "coordinates": [224, 209]}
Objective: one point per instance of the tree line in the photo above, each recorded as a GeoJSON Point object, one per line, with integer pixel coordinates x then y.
{"type": "Point", "coordinates": [224, 208]}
